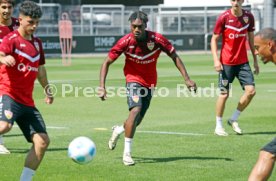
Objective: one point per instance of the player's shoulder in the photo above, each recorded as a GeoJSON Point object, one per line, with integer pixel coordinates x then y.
{"type": "Point", "coordinates": [155, 36]}
{"type": "Point", "coordinates": [12, 36]}
{"type": "Point", "coordinates": [225, 13]}
{"type": "Point", "coordinates": [125, 39]}
{"type": "Point", "coordinates": [247, 13]}
{"type": "Point", "coordinates": [36, 38]}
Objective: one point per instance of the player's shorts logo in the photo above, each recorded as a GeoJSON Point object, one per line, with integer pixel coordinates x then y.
{"type": "Point", "coordinates": [135, 98]}
{"type": "Point", "coordinates": [8, 114]}
{"type": "Point", "coordinates": [224, 82]}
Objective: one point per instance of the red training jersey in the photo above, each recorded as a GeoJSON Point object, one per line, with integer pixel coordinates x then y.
{"type": "Point", "coordinates": [234, 35]}
{"type": "Point", "coordinates": [141, 57]}
{"type": "Point", "coordinates": [18, 81]}
{"type": "Point", "coordinates": [4, 30]}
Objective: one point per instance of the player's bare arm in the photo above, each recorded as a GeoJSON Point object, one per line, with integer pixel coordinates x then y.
{"type": "Point", "coordinates": [214, 49]}
{"type": "Point", "coordinates": [7, 60]}
{"type": "Point", "coordinates": [42, 78]}
{"type": "Point", "coordinates": [181, 67]}
{"type": "Point", "coordinates": [103, 73]}
{"type": "Point", "coordinates": [252, 48]}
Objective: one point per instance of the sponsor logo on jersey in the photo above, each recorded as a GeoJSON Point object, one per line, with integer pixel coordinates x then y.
{"type": "Point", "coordinates": [150, 45]}
{"type": "Point", "coordinates": [245, 19]}
{"type": "Point", "coordinates": [22, 45]}
{"type": "Point", "coordinates": [8, 114]}
{"type": "Point", "coordinates": [135, 98]}
{"type": "Point", "coordinates": [23, 68]}
{"type": "Point", "coordinates": [232, 35]}
{"type": "Point", "coordinates": [36, 45]}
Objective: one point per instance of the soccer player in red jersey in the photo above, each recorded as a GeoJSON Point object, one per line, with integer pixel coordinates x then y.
{"type": "Point", "coordinates": [141, 49]}
{"type": "Point", "coordinates": [235, 25]}
{"type": "Point", "coordinates": [7, 24]}
{"type": "Point", "coordinates": [265, 44]}
{"type": "Point", "coordinates": [21, 62]}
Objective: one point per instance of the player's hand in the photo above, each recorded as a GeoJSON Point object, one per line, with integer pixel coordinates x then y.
{"type": "Point", "coordinates": [257, 68]}
{"type": "Point", "coordinates": [8, 61]}
{"type": "Point", "coordinates": [218, 66]}
{"type": "Point", "coordinates": [191, 85]}
{"type": "Point", "coordinates": [102, 93]}
{"type": "Point", "coordinates": [49, 99]}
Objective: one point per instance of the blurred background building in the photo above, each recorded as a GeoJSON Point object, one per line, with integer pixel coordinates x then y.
{"type": "Point", "coordinates": [97, 24]}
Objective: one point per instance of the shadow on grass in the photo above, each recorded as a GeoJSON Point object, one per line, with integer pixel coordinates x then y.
{"type": "Point", "coordinates": [25, 150]}
{"type": "Point", "coordinates": [12, 135]}
{"type": "Point", "coordinates": [261, 133]}
{"type": "Point", "coordinates": [171, 159]}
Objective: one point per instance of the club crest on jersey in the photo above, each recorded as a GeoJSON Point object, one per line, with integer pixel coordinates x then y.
{"type": "Point", "coordinates": [36, 45]}
{"type": "Point", "coordinates": [150, 45]}
{"type": "Point", "coordinates": [224, 82]}
{"type": "Point", "coordinates": [135, 98]}
{"type": "Point", "coordinates": [8, 114]}
{"type": "Point", "coordinates": [245, 19]}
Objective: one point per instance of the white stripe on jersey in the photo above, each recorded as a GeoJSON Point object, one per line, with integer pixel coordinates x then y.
{"type": "Point", "coordinates": [237, 29]}
{"type": "Point", "coordinates": [32, 59]}
{"type": "Point", "coordinates": [144, 57]}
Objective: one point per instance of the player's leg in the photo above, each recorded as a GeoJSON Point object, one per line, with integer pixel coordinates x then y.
{"type": "Point", "coordinates": [132, 98]}
{"type": "Point", "coordinates": [226, 77]}
{"type": "Point", "coordinates": [118, 130]}
{"type": "Point", "coordinates": [146, 95]}
{"type": "Point", "coordinates": [33, 127]}
{"type": "Point", "coordinates": [8, 114]}
{"type": "Point", "coordinates": [265, 163]}
{"type": "Point", "coordinates": [4, 128]}
{"type": "Point", "coordinates": [246, 79]}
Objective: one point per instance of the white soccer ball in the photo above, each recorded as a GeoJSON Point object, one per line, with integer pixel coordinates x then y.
{"type": "Point", "coordinates": [82, 150]}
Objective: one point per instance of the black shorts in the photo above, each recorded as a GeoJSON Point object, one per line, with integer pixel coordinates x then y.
{"type": "Point", "coordinates": [242, 72]}
{"type": "Point", "coordinates": [138, 96]}
{"type": "Point", "coordinates": [28, 118]}
{"type": "Point", "coordinates": [270, 147]}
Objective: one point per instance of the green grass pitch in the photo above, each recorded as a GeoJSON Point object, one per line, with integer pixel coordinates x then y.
{"type": "Point", "coordinates": [175, 140]}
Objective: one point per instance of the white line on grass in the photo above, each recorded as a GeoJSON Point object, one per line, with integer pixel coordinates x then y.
{"type": "Point", "coordinates": [50, 127]}
{"type": "Point", "coordinates": [159, 132]}
{"type": "Point", "coordinates": [271, 90]}
{"type": "Point", "coordinates": [172, 133]}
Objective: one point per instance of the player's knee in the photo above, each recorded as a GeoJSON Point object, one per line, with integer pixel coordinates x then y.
{"type": "Point", "coordinates": [251, 92]}
{"type": "Point", "coordinates": [224, 95]}
{"type": "Point", "coordinates": [46, 141]}
{"type": "Point", "coordinates": [41, 141]}
{"type": "Point", "coordinates": [5, 127]}
{"type": "Point", "coordinates": [135, 111]}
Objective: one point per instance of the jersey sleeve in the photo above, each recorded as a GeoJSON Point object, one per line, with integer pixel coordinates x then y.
{"type": "Point", "coordinates": [219, 25]}
{"type": "Point", "coordinates": [166, 45]}
{"type": "Point", "coordinates": [42, 55]}
{"type": "Point", "coordinates": [252, 23]}
{"type": "Point", "coordinates": [7, 46]}
{"type": "Point", "coordinates": [118, 48]}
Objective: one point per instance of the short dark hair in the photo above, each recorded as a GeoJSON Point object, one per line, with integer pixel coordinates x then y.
{"type": "Point", "coordinates": [8, 1]}
{"type": "Point", "coordinates": [267, 34]}
{"type": "Point", "coordinates": [139, 15]}
{"type": "Point", "coordinates": [31, 9]}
